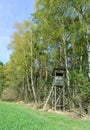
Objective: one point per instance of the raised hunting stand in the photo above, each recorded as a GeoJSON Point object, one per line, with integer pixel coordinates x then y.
{"type": "Point", "coordinates": [57, 92]}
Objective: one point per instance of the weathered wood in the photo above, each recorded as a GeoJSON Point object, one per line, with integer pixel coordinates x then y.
{"type": "Point", "coordinates": [63, 98]}
{"type": "Point", "coordinates": [48, 98]}
{"type": "Point", "coordinates": [55, 97]}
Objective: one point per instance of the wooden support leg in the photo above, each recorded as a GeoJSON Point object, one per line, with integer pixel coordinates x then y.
{"type": "Point", "coordinates": [63, 98]}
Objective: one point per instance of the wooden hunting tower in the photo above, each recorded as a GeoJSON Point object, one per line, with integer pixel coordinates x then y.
{"type": "Point", "coordinates": [59, 76]}
{"type": "Point", "coordinates": [57, 92]}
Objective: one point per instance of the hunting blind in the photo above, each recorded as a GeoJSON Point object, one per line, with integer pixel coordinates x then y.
{"type": "Point", "coordinates": [57, 91]}
{"type": "Point", "coordinates": [59, 76]}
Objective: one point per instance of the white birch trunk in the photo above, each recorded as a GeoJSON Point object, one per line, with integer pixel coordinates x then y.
{"type": "Point", "coordinates": [66, 61]}
{"type": "Point", "coordinates": [66, 64]}
{"type": "Point", "coordinates": [32, 83]}
{"type": "Point", "coordinates": [88, 49]}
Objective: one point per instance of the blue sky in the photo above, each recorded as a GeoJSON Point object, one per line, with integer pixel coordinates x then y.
{"type": "Point", "coordinates": [12, 11]}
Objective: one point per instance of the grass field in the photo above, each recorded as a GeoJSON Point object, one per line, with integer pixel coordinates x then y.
{"type": "Point", "coordinates": [20, 117]}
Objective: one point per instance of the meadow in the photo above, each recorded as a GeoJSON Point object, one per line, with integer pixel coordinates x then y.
{"type": "Point", "coordinates": [15, 116]}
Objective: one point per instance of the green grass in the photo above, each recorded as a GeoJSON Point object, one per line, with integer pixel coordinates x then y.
{"type": "Point", "coordinates": [20, 117]}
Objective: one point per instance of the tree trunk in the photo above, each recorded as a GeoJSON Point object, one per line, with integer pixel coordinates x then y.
{"type": "Point", "coordinates": [66, 64]}
{"type": "Point", "coordinates": [88, 49]}
{"type": "Point", "coordinates": [32, 83]}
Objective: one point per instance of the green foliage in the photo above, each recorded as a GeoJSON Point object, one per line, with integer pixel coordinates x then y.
{"type": "Point", "coordinates": [20, 117]}
{"type": "Point", "coordinates": [81, 82]}
{"type": "Point", "coordinates": [80, 88]}
{"type": "Point", "coordinates": [64, 26]}
{"type": "Point", "coordinates": [2, 77]}
{"type": "Point", "coordinates": [9, 94]}
{"type": "Point", "coordinates": [19, 68]}
{"type": "Point", "coordinates": [58, 37]}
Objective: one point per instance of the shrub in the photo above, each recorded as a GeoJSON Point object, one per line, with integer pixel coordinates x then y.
{"type": "Point", "coordinates": [9, 94]}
